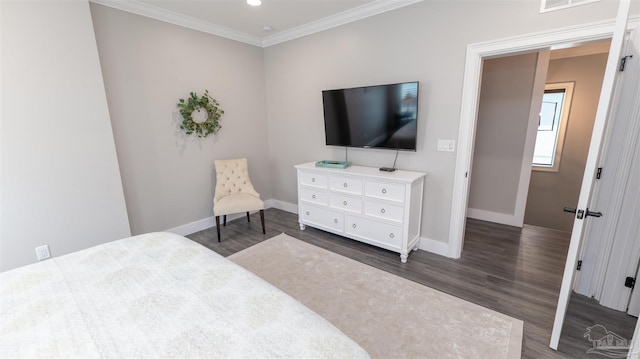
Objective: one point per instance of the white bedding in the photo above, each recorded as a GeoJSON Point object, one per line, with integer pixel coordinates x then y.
{"type": "Point", "coordinates": [156, 295]}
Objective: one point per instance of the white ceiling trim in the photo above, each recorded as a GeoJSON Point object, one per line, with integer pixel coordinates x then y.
{"type": "Point", "coordinates": [171, 17]}
{"type": "Point", "coordinates": [345, 17]}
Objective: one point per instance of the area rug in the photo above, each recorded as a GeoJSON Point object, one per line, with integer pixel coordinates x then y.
{"type": "Point", "coordinates": [389, 316]}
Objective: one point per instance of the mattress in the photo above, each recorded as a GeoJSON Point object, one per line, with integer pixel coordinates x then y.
{"type": "Point", "coordinates": [156, 295]}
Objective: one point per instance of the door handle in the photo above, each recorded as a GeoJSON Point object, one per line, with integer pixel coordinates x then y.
{"type": "Point", "coordinates": [581, 213]}
{"type": "Point", "coordinates": [593, 214]}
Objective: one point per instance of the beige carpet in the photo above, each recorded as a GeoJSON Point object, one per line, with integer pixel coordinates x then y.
{"type": "Point", "coordinates": [389, 316]}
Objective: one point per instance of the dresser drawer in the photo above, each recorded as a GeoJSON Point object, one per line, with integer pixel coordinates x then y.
{"type": "Point", "coordinates": [384, 190]}
{"type": "Point", "coordinates": [313, 179]}
{"type": "Point", "coordinates": [371, 230]}
{"type": "Point", "coordinates": [346, 184]}
{"type": "Point", "coordinates": [322, 218]}
{"type": "Point", "coordinates": [346, 203]}
{"type": "Point", "coordinates": [386, 211]}
{"type": "Point", "coordinates": [316, 196]}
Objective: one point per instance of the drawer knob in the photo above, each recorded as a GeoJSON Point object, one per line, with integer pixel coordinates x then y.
{"type": "Point", "coordinates": [313, 196]}
{"type": "Point", "coordinates": [384, 190]}
{"type": "Point", "coordinates": [335, 220]}
{"type": "Point", "coordinates": [307, 213]}
{"type": "Point", "coordinates": [345, 185]}
{"type": "Point", "coordinates": [382, 210]}
{"type": "Point", "coordinates": [391, 235]}
{"type": "Point", "coordinates": [354, 225]}
{"type": "Point", "coordinates": [313, 179]}
{"type": "Point", "coordinates": [344, 203]}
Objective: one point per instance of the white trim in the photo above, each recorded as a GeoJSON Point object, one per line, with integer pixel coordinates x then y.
{"type": "Point", "coordinates": [495, 217]}
{"type": "Point", "coordinates": [358, 13]}
{"type": "Point", "coordinates": [469, 103]}
{"type": "Point", "coordinates": [154, 12]}
{"type": "Point", "coordinates": [433, 246]}
{"type": "Point", "coordinates": [193, 227]}
{"type": "Point", "coordinates": [210, 222]}
{"type": "Point", "coordinates": [285, 206]}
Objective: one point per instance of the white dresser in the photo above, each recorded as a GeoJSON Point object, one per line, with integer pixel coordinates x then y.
{"type": "Point", "coordinates": [383, 209]}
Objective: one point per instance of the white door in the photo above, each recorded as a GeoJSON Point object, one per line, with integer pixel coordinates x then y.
{"type": "Point", "coordinates": [634, 302]}
{"type": "Point", "coordinates": [582, 211]}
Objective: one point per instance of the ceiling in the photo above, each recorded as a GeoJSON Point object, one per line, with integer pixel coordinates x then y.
{"type": "Point", "coordinates": [234, 19]}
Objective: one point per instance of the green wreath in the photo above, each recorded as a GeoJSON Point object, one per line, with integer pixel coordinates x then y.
{"type": "Point", "coordinates": [195, 103]}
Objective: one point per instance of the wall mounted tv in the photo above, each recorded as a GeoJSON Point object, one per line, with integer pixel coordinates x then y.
{"type": "Point", "coordinates": [382, 116]}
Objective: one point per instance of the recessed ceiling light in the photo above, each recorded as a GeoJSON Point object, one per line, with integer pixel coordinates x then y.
{"type": "Point", "coordinates": [267, 28]}
{"type": "Point", "coordinates": [254, 2]}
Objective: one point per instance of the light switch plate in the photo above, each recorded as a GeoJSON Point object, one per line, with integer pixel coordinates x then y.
{"type": "Point", "coordinates": [446, 145]}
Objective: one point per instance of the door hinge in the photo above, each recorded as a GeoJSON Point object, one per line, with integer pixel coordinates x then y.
{"type": "Point", "coordinates": [579, 265]}
{"type": "Point", "coordinates": [599, 173]}
{"type": "Point", "coordinates": [630, 282]}
{"type": "Point", "coordinates": [623, 62]}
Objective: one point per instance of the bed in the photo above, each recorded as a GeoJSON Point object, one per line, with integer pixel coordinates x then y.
{"type": "Point", "coordinates": [156, 295]}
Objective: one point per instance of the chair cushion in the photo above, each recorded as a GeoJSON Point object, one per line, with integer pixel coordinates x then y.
{"type": "Point", "coordinates": [232, 177]}
{"type": "Point", "coordinates": [237, 203]}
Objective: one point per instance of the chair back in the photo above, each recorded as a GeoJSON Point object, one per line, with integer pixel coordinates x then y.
{"type": "Point", "coordinates": [232, 177]}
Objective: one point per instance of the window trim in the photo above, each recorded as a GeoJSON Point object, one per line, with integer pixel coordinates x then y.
{"type": "Point", "coordinates": [564, 119]}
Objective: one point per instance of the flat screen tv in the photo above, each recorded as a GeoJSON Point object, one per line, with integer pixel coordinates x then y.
{"type": "Point", "coordinates": [382, 116]}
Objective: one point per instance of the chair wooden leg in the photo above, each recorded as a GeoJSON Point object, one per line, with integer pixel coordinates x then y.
{"type": "Point", "coordinates": [248, 218]}
{"type": "Point", "coordinates": [262, 220]}
{"type": "Point", "coordinates": [225, 220]}
{"type": "Point", "coordinates": [218, 227]}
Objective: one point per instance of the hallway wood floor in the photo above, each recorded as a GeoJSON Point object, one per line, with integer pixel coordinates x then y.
{"type": "Point", "coordinates": [511, 270]}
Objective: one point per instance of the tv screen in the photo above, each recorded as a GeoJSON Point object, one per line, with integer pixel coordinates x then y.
{"type": "Point", "coordinates": [382, 116]}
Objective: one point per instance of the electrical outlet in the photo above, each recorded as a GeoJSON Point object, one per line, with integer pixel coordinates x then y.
{"type": "Point", "coordinates": [42, 252]}
{"type": "Point", "coordinates": [446, 145]}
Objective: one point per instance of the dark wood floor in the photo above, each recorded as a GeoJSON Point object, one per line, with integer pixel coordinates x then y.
{"type": "Point", "coordinates": [511, 270]}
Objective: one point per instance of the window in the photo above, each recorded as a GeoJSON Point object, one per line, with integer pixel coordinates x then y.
{"type": "Point", "coordinates": [551, 5]}
{"type": "Point", "coordinates": [554, 115]}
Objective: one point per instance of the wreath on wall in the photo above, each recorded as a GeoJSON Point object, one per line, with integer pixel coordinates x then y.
{"type": "Point", "coordinates": [205, 125]}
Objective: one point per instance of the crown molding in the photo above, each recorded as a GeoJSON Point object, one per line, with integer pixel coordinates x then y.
{"type": "Point", "coordinates": [345, 17]}
{"type": "Point", "coordinates": [171, 17]}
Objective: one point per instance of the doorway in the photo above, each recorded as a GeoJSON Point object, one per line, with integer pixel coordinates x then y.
{"type": "Point", "coordinates": [475, 54]}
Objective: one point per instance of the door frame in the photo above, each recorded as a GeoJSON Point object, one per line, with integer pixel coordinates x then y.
{"type": "Point", "coordinates": [476, 53]}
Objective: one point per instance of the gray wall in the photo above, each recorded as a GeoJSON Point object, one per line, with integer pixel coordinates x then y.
{"type": "Point", "coordinates": [64, 181]}
{"type": "Point", "coordinates": [503, 117]}
{"type": "Point", "coordinates": [60, 180]}
{"type": "Point", "coordinates": [148, 65]}
{"type": "Point", "coordinates": [549, 192]}
{"type": "Point", "coordinates": [426, 42]}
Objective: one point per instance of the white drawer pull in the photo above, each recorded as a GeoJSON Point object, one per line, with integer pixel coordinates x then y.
{"type": "Point", "coordinates": [313, 196]}
{"type": "Point", "coordinates": [391, 235]}
{"type": "Point", "coordinates": [307, 213]}
{"type": "Point", "coordinates": [345, 185]}
{"type": "Point", "coordinates": [354, 225]}
{"type": "Point", "coordinates": [344, 203]}
{"type": "Point", "coordinates": [313, 179]}
{"type": "Point", "coordinates": [384, 190]}
{"type": "Point", "coordinates": [335, 220]}
{"type": "Point", "coordinates": [382, 210]}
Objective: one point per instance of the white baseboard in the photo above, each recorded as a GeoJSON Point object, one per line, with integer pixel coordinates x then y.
{"type": "Point", "coordinates": [426, 244]}
{"type": "Point", "coordinates": [495, 217]}
{"type": "Point", "coordinates": [210, 222]}
{"type": "Point", "coordinates": [433, 246]}
{"type": "Point", "coordinates": [285, 206]}
{"type": "Point", "coordinates": [193, 227]}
